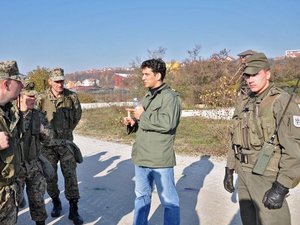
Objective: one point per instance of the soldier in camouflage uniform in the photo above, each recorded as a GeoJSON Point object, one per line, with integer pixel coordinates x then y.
{"type": "Point", "coordinates": [265, 140]}
{"type": "Point", "coordinates": [31, 172]}
{"type": "Point", "coordinates": [10, 132]}
{"type": "Point", "coordinates": [63, 112]}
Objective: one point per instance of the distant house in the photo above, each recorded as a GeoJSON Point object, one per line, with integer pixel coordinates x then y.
{"type": "Point", "coordinates": [90, 82]}
{"type": "Point", "coordinates": [78, 83]}
{"type": "Point", "coordinates": [121, 81]}
{"type": "Point", "coordinates": [292, 53]}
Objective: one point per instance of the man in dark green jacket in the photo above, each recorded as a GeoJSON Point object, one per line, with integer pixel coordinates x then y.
{"type": "Point", "coordinates": [155, 122]}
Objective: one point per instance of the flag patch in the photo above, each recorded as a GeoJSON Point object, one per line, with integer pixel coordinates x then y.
{"type": "Point", "coordinates": [296, 121]}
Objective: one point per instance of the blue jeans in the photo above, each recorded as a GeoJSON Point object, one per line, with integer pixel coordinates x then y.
{"type": "Point", "coordinates": [165, 185]}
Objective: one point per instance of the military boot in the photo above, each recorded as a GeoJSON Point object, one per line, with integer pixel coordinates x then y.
{"type": "Point", "coordinates": [73, 215]}
{"type": "Point", "coordinates": [40, 223]}
{"type": "Point", "coordinates": [56, 207]}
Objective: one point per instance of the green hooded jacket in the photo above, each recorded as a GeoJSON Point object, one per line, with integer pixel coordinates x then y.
{"type": "Point", "coordinates": [154, 144]}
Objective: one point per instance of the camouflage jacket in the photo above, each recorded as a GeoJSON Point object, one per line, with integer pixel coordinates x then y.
{"type": "Point", "coordinates": [10, 158]}
{"type": "Point", "coordinates": [62, 113]}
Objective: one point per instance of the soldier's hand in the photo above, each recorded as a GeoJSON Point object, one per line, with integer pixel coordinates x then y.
{"type": "Point", "coordinates": [228, 180]}
{"type": "Point", "coordinates": [4, 140]}
{"type": "Point", "coordinates": [275, 196]}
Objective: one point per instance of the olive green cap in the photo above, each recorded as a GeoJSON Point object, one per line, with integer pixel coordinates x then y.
{"type": "Point", "coordinates": [256, 63]}
{"type": "Point", "coordinates": [10, 70]}
{"type": "Point", "coordinates": [57, 74]}
{"type": "Point", "coordinates": [247, 53]}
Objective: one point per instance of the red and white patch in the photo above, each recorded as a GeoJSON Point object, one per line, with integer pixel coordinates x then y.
{"type": "Point", "coordinates": [296, 120]}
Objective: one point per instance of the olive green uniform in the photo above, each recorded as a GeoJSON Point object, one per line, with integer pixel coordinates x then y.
{"type": "Point", "coordinates": [10, 160]}
{"type": "Point", "coordinates": [31, 172]}
{"type": "Point", "coordinates": [63, 114]}
{"type": "Point", "coordinates": [254, 122]}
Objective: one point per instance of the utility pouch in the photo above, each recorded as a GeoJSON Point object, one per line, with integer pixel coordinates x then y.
{"type": "Point", "coordinates": [265, 154]}
{"type": "Point", "coordinates": [75, 151]}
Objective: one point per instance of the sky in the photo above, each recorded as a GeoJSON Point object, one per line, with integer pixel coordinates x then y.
{"type": "Point", "coordinates": [79, 35]}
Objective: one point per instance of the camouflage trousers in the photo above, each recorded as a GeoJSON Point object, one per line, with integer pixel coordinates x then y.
{"type": "Point", "coordinates": [68, 166]}
{"type": "Point", "coordinates": [8, 206]}
{"type": "Point", "coordinates": [31, 175]}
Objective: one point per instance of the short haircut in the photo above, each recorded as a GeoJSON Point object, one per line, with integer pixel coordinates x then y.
{"type": "Point", "coordinates": [157, 66]}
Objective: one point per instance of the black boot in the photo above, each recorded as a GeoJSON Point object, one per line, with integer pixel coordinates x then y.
{"type": "Point", "coordinates": [40, 222]}
{"type": "Point", "coordinates": [73, 215]}
{"type": "Point", "coordinates": [56, 207]}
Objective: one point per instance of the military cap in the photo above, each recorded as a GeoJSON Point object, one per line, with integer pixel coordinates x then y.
{"type": "Point", "coordinates": [57, 74]}
{"type": "Point", "coordinates": [256, 63]}
{"type": "Point", "coordinates": [28, 88]}
{"type": "Point", "coordinates": [246, 53]}
{"type": "Point", "coordinates": [10, 70]}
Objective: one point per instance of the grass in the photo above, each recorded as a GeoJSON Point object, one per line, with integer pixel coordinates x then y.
{"type": "Point", "coordinates": [196, 136]}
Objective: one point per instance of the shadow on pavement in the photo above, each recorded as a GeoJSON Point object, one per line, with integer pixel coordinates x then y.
{"type": "Point", "coordinates": [188, 187]}
{"type": "Point", "coordinates": [105, 195]}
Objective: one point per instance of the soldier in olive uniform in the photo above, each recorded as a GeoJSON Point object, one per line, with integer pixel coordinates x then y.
{"type": "Point", "coordinates": [10, 132]}
{"type": "Point", "coordinates": [265, 140]}
{"type": "Point", "coordinates": [63, 112]}
{"type": "Point", "coordinates": [243, 87]}
{"type": "Point", "coordinates": [31, 172]}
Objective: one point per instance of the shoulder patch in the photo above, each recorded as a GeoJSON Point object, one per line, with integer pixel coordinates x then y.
{"type": "Point", "coordinates": [296, 120]}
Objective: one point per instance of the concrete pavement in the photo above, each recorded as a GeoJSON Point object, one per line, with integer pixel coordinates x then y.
{"type": "Point", "coordinates": [106, 181]}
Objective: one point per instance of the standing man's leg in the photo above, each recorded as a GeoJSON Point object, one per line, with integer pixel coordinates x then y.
{"type": "Point", "coordinates": [8, 208]}
{"type": "Point", "coordinates": [258, 185]}
{"type": "Point", "coordinates": [143, 192]}
{"type": "Point", "coordinates": [52, 186]}
{"type": "Point", "coordinates": [165, 184]}
{"type": "Point", "coordinates": [36, 187]}
{"type": "Point", "coordinates": [68, 168]}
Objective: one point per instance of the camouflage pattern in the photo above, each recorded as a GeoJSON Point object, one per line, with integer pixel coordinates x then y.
{"type": "Point", "coordinates": [28, 88]}
{"type": "Point", "coordinates": [9, 69]}
{"type": "Point", "coordinates": [57, 74]}
{"type": "Point", "coordinates": [62, 115]}
{"type": "Point", "coordinates": [10, 160]}
{"type": "Point", "coordinates": [31, 172]}
{"type": "Point", "coordinates": [68, 168]}
{"type": "Point", "coordinates": [8, 209]}
{"type": "Point", "coordinates": [32, 175]}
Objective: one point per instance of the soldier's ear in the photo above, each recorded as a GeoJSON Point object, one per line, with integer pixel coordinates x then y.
{"type": "Point", "coordinates": [5, 84]}
{"type": "Point", "coordinates": [268, 73]}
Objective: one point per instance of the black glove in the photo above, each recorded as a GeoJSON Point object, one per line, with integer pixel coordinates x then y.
{"type": "Point", "coordinates": [274, 197]}
{"type": "Point", "coordinates": [228, 180]}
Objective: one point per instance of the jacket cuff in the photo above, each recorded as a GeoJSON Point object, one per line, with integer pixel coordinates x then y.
{"type": "Point", "coordinates": [285, 181]}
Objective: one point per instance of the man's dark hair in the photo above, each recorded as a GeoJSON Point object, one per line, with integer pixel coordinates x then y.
{"type": "Point", "coordinates": [157, 66]}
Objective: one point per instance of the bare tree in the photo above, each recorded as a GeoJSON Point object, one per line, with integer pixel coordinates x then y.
{"type": "Point", "coordinates": [158, 53]}
{"type": "Point", "coordinates": [194, 53]}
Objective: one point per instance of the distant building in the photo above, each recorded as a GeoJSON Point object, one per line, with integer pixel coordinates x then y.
{"type": "Point", "coordinates": [292, 53]}
{"type": "Point", "coordinates": [90, 82]}
{"type": "Point", "coordinates": [121, 80]}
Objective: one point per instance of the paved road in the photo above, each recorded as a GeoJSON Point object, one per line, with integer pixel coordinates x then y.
{"type": "Point", "coordinates": [107, 190]}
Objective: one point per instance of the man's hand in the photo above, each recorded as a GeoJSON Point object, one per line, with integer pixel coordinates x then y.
{"type": "Point", "coordinates": [128, 121]}
{"type": "Point", "coordinates": [4, 140]}
{"type": "Point", "coordinates": [228, 180]}
{"type": "Point", "coordinates": [275, 196]}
